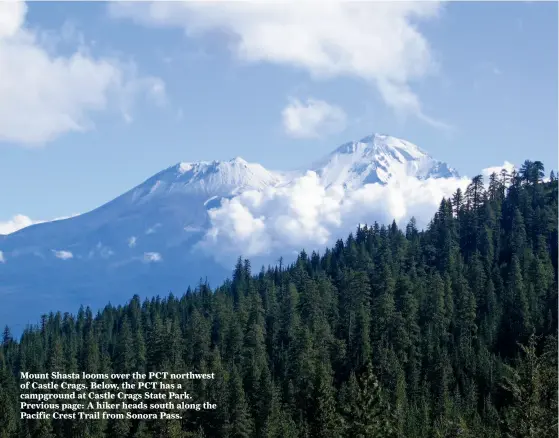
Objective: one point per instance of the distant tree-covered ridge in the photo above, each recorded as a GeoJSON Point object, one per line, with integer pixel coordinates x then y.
{"type": "Point", "coordinates": [445, 332]}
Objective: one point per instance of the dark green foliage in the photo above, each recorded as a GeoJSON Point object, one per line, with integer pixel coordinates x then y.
{"type": "Point", "coordinates": [533, 412]}
{"type": "Point", "coordinates": [367, 413]}
{"type": "Point", "coordinates": [446, 332]}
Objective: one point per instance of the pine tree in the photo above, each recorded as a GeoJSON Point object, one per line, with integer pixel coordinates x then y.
{"type": "Point", "coordinates": [8, 393]}
{"type": "Point", "coordinates": [279, 423]}
{"type": "Point", "coordinates": [368, 415]}
{"type": "Point", "coordinates": [326, 421]}
{"type": "Point", "coordinates": [532, 414]}
{"type": "Point", "coordinates": [240, 421]}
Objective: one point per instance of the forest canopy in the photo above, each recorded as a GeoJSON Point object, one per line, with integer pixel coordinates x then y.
{"type": "Point", "coordinates": [449, 331]}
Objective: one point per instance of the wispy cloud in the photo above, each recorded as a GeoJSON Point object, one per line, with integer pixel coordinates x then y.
{"type": "Point", "coordinates": [378, 42]}
{"type": "Point", "coordinates": [150, 257]}
{"type": "Point", "coordinates": [63, 255]}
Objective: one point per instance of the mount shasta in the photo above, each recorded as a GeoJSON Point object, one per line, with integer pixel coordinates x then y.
{"type": "Point", "coordinates": [192, 220]}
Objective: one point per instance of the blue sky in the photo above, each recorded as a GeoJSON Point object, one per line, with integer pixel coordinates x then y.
{"type": "Point", "coordinates": [97, 98]}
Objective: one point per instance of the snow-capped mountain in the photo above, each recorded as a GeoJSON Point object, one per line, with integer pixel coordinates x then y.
{"type": "Point", "coordinates": [215, 178]}
{"type": "Point", "coordinates": [145, 241]}
{"type": "Point", "coordinates": [377, 159]}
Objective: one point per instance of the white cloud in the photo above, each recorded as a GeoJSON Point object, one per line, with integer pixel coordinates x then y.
{"type": "Point", "coordinates": [305, 214]}
{"type": "Point", "coordinates": [152, 257]}
{"type": "Point", "coordinates": [11, 18]}
{"type": "Point", "coordinates": [312, 119]}
{"type": "Point", "coordinates": [16, 223]}
{"type": "Point", "coordinates": [378, 42]}
{"type": "Point", "coordinates": [404, 101]}
{"type": "Point", "coordinates": [20, 221]}
{"type": "Point", "coordinates": [64, 255]}
{"type": "Point", "coordinates": [132, 242]}
{"type": "Point", "coordinates": [43, 96]}
{"type": "Point", "coordinates": [2, 258]}
{"type": "Point", "coordinates": [497, 169]}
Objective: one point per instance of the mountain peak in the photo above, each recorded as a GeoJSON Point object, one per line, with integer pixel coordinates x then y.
{"type": "Point", "coordinates": [207, 178]}
{"type": "Point", "coordinates": [383, 143]}
{"type": "Point", "coordinates": [238, 160]}
{"type": "Point", "coordinates": [377, 158]}
{"type": "Point", "coordinates": [186, 166]}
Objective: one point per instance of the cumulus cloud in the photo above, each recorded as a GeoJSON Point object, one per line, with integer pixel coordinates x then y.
{"type": "Point", "coordinates": [152, 257]}
{"type": "Point", "coordinates": [306, 214]}
{"type": "Point", "coordinates": [20, 221]}
{"type": "Point", "coordinates": [132, 242]}
{"type": "Point", "coordinates": [378, 42]}
{"type": "Point", "coordinates": [312, 119]}
{"type": "Point", "coordinates": [64, 255]}
{"type": "Point", "coordinates": [509, 167]}
{"type": "Point", "coordinates": [43, 95]}
{"type": "Point", "coordinates": [16, 223]}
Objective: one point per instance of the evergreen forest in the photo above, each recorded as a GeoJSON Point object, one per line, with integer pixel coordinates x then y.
{"type": "Point", "coordinates": [450, 331]}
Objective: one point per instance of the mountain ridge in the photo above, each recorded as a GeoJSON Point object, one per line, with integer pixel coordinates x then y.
{"type": "Point", "coordinates": [146, 238]}
{"type": "Point", "coordinates": [263, 177]}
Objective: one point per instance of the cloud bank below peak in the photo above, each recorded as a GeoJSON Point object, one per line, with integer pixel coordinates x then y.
{"type": "Point", "coordinates": [378, 42]}
{"type": "Point", "coordinates": [309, 214]}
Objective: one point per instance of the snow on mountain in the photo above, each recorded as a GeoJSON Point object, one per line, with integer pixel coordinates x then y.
{"type": "Point", "coordinates": [169, 231]}
{"type": "Point", "coordinates": [215, 178]}
{"type": "Point", "coordinates": [377, 159]}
